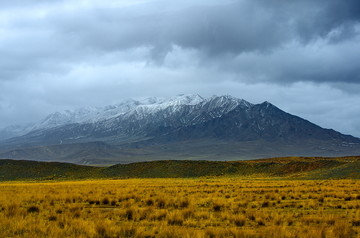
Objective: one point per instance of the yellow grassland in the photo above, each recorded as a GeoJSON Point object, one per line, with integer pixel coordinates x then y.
{"type": "Point", "coordinates": [203, 207]}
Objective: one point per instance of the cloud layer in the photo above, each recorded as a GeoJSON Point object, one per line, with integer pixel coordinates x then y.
{"type": "Point", "coordinates": [301, 55]}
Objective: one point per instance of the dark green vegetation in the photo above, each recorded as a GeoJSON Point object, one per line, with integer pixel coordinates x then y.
{"type": "Point", "coordinates": [290, 167]}
{"type": "Point", "coordinates": [33, 170]}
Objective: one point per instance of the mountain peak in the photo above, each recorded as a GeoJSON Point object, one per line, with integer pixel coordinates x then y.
{"type": "Point", "coordinates": [187, 99]}
{"type": "Point", "coordinates": [268, 106]}
{"type": "Point", "coordinates": [141, 107]}
{"type": "Point", "coordinates": [182, 120]}
{"type": "Point", "coordinates": [152, 100]}
{"type": "Point", "coordinates": [228, 99]}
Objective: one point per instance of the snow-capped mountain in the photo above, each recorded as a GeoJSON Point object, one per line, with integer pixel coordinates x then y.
{"type": "Point", "coordinates": [95, 114]}
{"type": "Point", "coordinates": [136, 108]}
{"type": "Point", "coordinates": [141, 107]}
{"type": "Point", "coordinates": [131, 118]}
{"type": "Point", "coordinates": [191, 119]}
{"type": "Point", "coordinates": [154, 117]}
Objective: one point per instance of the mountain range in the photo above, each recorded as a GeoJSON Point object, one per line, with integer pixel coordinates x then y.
{"type": "Point", "coordinates": [181, 127]}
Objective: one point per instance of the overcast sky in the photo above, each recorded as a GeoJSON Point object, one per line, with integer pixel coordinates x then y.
{"type": "Point", "coordinates": [303, 56]}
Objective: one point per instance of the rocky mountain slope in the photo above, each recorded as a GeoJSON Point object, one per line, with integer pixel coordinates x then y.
{"type": "Point", "coordinates": [182, 127]}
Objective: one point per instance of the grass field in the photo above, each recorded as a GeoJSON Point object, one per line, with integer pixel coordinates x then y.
{"type": "Point", "coordinates": [201, 207]}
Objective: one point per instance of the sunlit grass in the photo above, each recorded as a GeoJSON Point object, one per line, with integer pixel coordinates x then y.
{"type": "Point", "coordinates": [204, 207]}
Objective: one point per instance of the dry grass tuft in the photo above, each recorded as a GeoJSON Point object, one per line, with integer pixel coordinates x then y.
{"type": "Point", "coordinates": [199, 208]}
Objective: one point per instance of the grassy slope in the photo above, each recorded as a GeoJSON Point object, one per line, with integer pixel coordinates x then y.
{"type": "Point", "coordinates": [317, 167]}
{"type": "Point", "coordinates": [32, 170]}
{"type": "Point", "coordinates": [292, 167]}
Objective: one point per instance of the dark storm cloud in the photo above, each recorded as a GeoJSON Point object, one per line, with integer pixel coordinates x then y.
{"type": "Point", "coordinates": [235, 27]}
{"type": "Point", "coordinates": [229, 28]}
{"type": "Point", "coordinates": [222, 32]}
{"type": "Point", "coordinates": [120, 48]}
{"type": "Point", "coordinates": [316, 18]}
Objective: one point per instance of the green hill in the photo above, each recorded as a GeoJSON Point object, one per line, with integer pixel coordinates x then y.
{"type": "Point", "coordinates": [290, 167]}
{"type": "Point", "coordinates": [302, 167]}
{"type": "Point", "coordinates": [33, 170]}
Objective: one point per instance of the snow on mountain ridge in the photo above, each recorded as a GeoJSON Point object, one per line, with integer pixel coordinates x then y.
{"type": "Point", "coordinates": [94, 114]}
{"type": "Point", "coordinates": [162, 103]}
{"type": "Point", "coordinates": [138, 108]}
